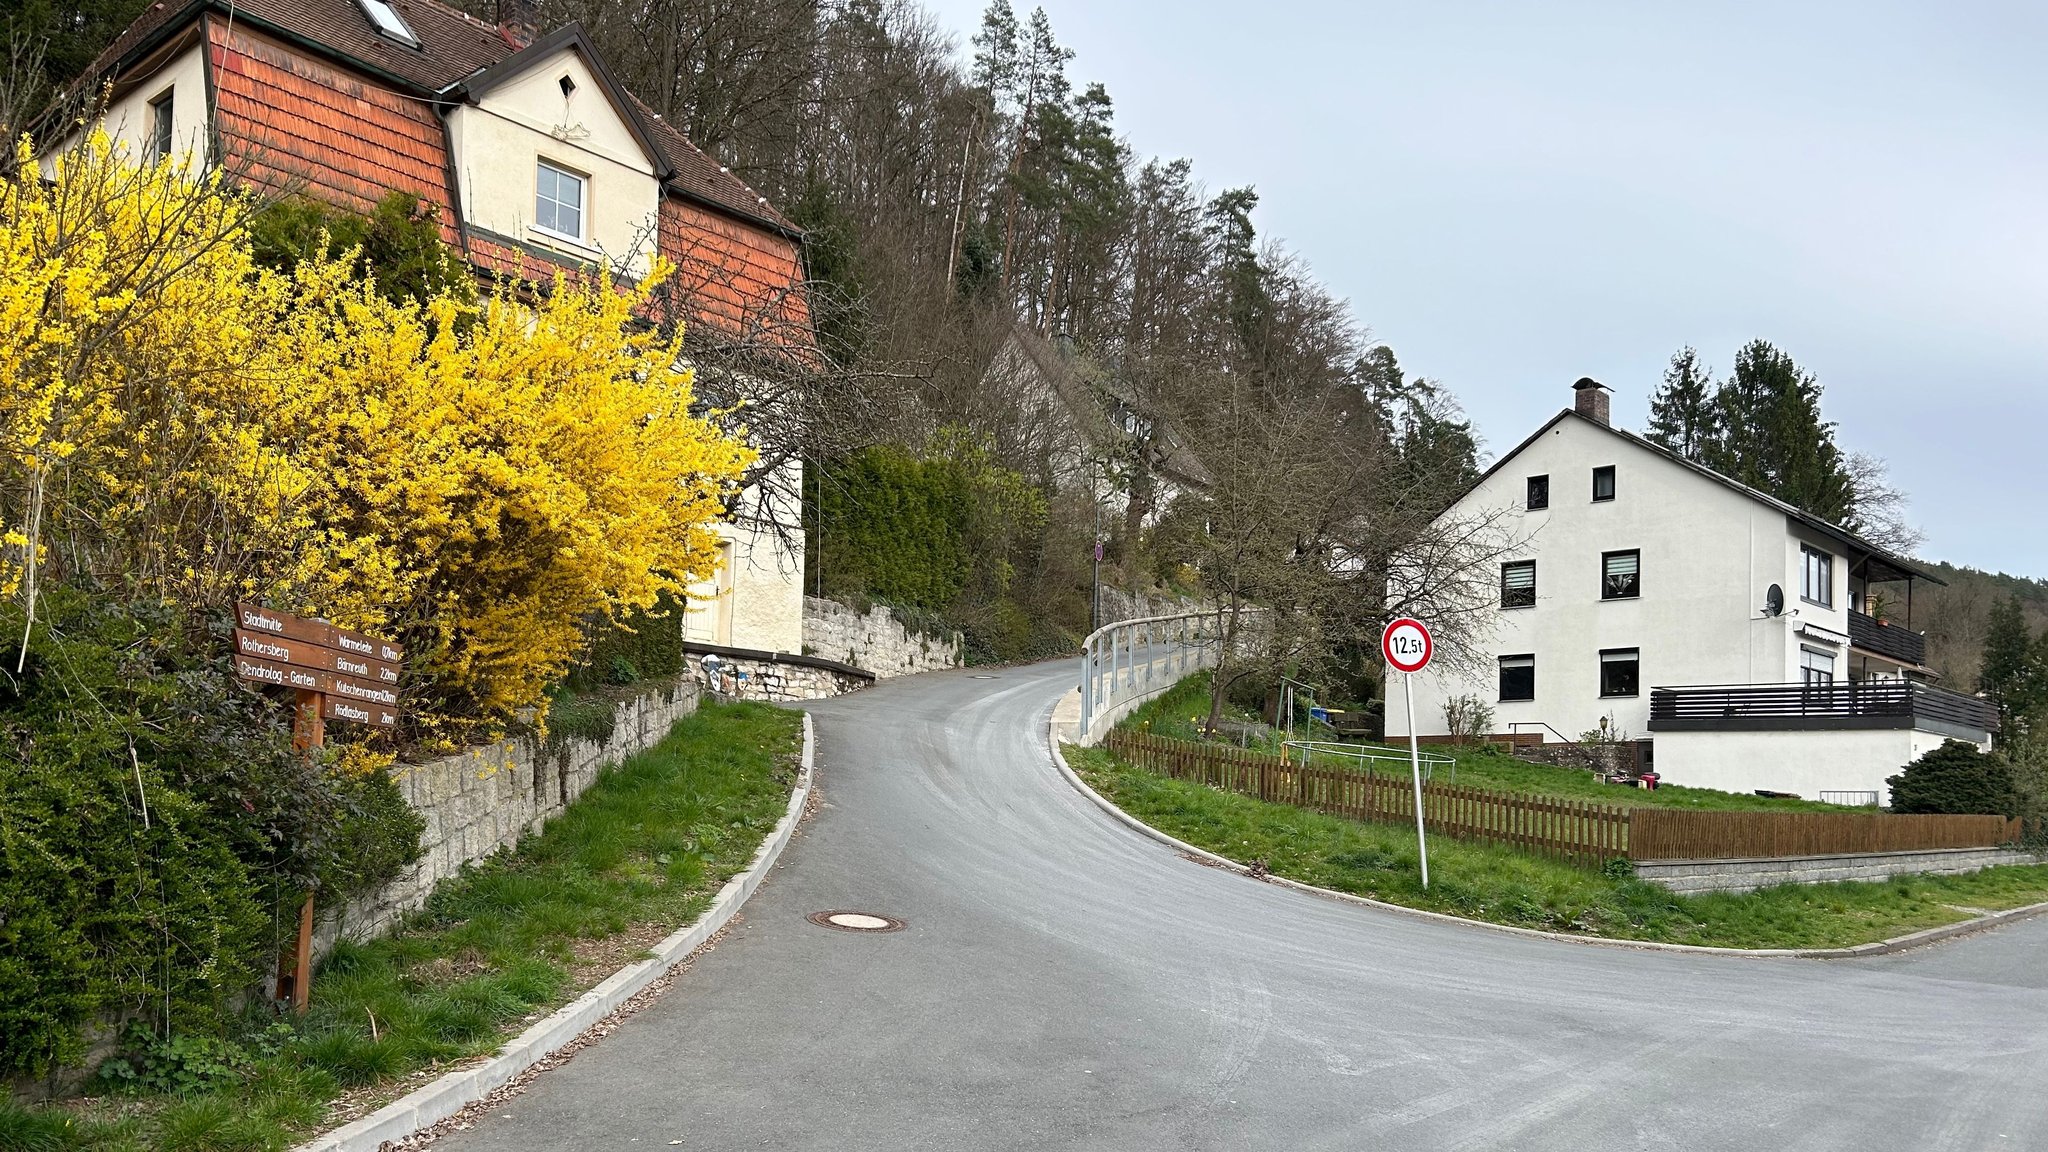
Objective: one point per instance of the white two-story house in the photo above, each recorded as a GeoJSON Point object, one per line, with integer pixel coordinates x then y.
{"type": "Point", "coordinates": [1727, 634]}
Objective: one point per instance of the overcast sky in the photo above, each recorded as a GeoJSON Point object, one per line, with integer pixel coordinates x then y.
{"type": "Point", "coordinates": [1517, 195]}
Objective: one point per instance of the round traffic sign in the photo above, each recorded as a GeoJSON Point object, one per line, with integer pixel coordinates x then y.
{"type": "Point", "coordinates": [1406, 645]}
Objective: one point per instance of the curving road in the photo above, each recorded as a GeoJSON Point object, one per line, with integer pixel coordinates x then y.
{"type": "Point", "coordinates": [1066, 983]}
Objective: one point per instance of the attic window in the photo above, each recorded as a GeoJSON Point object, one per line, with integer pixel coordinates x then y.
{"type": "Point", "coordinates": [388, 22]}
{"type": "Point", "coordinates": [568, 84]}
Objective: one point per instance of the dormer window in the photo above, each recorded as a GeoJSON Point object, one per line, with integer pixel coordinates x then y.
{"type": "Point", "coordinates": [385, 18]}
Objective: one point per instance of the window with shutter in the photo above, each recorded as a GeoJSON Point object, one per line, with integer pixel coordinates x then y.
{"type": "Point", "coordinates": [1621, 575]}
{"type": "Point", "coordinates": [1518, 584]}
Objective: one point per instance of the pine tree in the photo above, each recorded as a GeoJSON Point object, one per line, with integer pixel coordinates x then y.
{"type": "Point", "coordinates": [1683, 416]}
{"type": "Point", "coordinates": [1771, 435]}
{"type": "Point", "coordinates": [2013, 674]}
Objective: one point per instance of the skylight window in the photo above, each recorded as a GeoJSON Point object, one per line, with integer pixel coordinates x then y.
{"type": "Point", "coordinates": [389, 22]}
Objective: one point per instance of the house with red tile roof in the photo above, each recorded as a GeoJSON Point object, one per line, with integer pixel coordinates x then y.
{"type": "Point", "coordinates": [530, 153]}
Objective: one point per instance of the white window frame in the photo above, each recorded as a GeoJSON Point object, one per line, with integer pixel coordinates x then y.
{"type": "Point", "coordinates": [163, 124]}
{"type": "Point", "coordinates": [582, 202]}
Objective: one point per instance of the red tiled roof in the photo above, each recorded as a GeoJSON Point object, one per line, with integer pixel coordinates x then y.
{"type": "Point", "coordinates": [453, 47]}
{"type": "Point", "coordinates": [290, 122]}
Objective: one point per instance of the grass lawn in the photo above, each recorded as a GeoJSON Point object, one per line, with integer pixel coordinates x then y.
{"type": "Point", "coordinates": [640, 855]}
{"type": "Point", "coordinates": [1503, 886]}
{"type": "Point", "coordinates": [1177, 712]}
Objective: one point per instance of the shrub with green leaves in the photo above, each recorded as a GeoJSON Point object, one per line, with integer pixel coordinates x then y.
{"type": "Point", "coordinates": [1956, 778]}
{"type": "Point", "coordinates": [154, 821]}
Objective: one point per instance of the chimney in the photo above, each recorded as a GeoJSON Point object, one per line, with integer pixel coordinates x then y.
{"type": "Point", "coordinates": [1589, 399]}
{"type": "Point", "coordinates": [518, 22]}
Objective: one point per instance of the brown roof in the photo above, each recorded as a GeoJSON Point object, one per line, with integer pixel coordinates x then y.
{"type": "Point", "coordinates": [453, 47]}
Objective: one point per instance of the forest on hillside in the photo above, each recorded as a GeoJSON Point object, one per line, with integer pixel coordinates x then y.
{"type": "Point", "coordinates": [1036, 335]}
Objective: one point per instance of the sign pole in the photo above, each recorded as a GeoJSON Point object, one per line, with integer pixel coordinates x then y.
{"type": "Point", "coordinates": [1406, 646]}
{"type": "Point", "coordinates": [1415, 763]}
{"type": "Point", "coordinates": [295, 968]}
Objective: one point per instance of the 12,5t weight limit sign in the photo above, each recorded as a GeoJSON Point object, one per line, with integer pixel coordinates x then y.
{"type": "Point", "coordinates": [1406, 645]}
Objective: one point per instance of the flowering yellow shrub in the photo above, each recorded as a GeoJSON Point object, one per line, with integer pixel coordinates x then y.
{"type": "Point", "coordinates": [471, 479]}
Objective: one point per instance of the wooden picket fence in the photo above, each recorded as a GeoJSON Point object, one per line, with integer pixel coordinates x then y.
{"type": "Point", "coordinates": [1575, 831]}
{"type": "Point", "coordinates": [1675, 834]}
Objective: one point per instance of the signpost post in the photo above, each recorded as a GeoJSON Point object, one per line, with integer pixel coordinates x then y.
{"type": "Point", "coordinates": [1407, 648]}
{"type": "Point", "coordinates": [334, 674]}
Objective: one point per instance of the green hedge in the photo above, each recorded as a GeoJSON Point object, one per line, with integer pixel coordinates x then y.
{"type": "Point", "coordinates": [154, 826]}
{"type": "Point", "coordinates": [887, 526]}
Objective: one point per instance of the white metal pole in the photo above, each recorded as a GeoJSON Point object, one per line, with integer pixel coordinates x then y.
{"type": "Point", "coordinates": [1415, 762]}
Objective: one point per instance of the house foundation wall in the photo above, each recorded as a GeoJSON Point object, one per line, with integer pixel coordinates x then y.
{"type": "Point", "coordinates": [1803, 763]}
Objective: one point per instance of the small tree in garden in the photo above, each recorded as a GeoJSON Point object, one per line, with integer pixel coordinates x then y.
{"type": "Point", "coordinates": [1956, 778]}
{"type": "Point", "coordinates": [1468, 718]}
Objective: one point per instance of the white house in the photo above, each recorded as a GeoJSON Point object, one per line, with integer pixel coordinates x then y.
{"type": "Point", "coordinates": [1739, 642]}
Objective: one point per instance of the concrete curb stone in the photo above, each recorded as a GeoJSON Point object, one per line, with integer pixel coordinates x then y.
{"type": "Point", "coordinates": [449, 1094]}
{"type": "Point", "coordinates": [1875, 948]}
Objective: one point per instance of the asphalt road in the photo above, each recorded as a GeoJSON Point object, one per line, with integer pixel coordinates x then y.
{"type": "Point", "coordinates": [1064, 983]}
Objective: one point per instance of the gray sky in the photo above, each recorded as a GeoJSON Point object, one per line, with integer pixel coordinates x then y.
{"type": "Point", "coordinates": [1516, 195]}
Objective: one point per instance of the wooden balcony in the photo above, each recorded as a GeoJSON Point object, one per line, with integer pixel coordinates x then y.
{"type": "Point", "coordinates": [1817, 707]}
{"type": "Point", "coordinates": [1887, 640]}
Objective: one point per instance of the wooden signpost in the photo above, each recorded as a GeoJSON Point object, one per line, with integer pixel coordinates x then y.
{"type": "Point", "coordinates": [336, 674]}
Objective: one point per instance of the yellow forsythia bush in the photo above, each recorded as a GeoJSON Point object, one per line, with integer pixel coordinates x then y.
{"type": "Point", "coordinates": [470, 479]}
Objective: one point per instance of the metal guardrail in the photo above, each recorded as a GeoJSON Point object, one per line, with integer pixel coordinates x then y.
{"type": "Point", "coordinates": [1131, 660]}
{"type": "Point", "coordinates": [1365, 757]}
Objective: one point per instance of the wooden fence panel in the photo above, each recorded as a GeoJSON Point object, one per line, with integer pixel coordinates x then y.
{"type": "Point", "coordinates": [1670, 834]}
{"type": "Point", "coordinates": [1585, 834]}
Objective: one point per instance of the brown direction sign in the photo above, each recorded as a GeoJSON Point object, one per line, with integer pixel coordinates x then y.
{"type": "Point", "coordinates": [265, 622]}
{"type": "Point", "coordinates": [356, 676]}
{"type": "Point", "coordinates": [340, 708]}
{"type": "Point", "coordinates": [315, 680]}
{"type": "Point", "coordinates": [261, 646]}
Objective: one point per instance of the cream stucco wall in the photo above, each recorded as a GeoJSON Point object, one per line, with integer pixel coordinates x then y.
{"type": "Point", "coordinates": [1807, 763]}
{"type": "Point", "coordinates": [498, 142]}
{"type": "Point", "coordinates": [1707, 555]}
{"type": "Point", "coordinates": [128, 122]}
{"type": "Point", "coordinates": [757, 601]}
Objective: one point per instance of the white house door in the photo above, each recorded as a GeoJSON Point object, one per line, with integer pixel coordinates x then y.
{"type": "Point", "coordinates": [708, 617]}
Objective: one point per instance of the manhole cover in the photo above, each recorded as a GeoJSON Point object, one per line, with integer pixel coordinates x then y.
{"type": "Point", "coordinates": [856, 921]}
{"type": "Point", "coordinates": [981, 677]}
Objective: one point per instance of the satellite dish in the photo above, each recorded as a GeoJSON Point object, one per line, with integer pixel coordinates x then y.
{"type": "Point", "coordinates": [1774, 601]}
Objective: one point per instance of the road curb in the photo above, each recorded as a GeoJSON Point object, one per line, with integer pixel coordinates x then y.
{"type": "Point", "coordinates": [1875, 948]}
{"type": "Point", "coordinates": [449, 1094]}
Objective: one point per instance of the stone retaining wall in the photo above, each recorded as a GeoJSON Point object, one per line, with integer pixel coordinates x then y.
{"type": "Point", "coordinates": [485, 799]}
{"type": "Point", "coordinates": [1745, 875]}
{"type": "Point", "coordinates": [876, 641]}
{"type": "Point", "coordinates": [741, 678]}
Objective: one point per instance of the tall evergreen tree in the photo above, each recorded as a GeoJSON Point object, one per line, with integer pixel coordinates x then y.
{"type": "Point", "coordinates": [2012, 675]}
{"type": "Point", "coordinates": [1772, 437]}
{"type": "Point", "coordinates": [1683, 416]}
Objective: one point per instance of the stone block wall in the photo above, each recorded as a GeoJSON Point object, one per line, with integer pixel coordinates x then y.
{"type": "Point", "coordinates": [741, 678]}
{"type": "Point", "coordinates": [876, 641]}
{"type": "Point", "coordinates": [484, 799]}
{"type": "Point", "coordinates": [1746, 875]}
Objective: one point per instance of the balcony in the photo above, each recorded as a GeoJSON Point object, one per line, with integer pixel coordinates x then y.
{"type": "Point", "coordinates": [1809, 707]}
{"type": "Point", "coordinates": [1887, 640]}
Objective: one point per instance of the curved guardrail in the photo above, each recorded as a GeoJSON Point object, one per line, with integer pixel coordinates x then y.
{"type": "Point", "coordinates": [1128, 662]}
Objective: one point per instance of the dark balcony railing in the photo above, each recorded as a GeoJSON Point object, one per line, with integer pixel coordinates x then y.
{"type": "Point", "coordinates": [1887, 640]}
{"type": "Point", "coordinates": [1842, 704]}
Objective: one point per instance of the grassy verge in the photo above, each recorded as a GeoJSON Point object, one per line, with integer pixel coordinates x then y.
{"type": "Point", "coordinates": [1503, 886]}
{"type": "Point", "coordinates": [1177, 712]}
{"type": "Point", "coordinates": [639, 856]}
